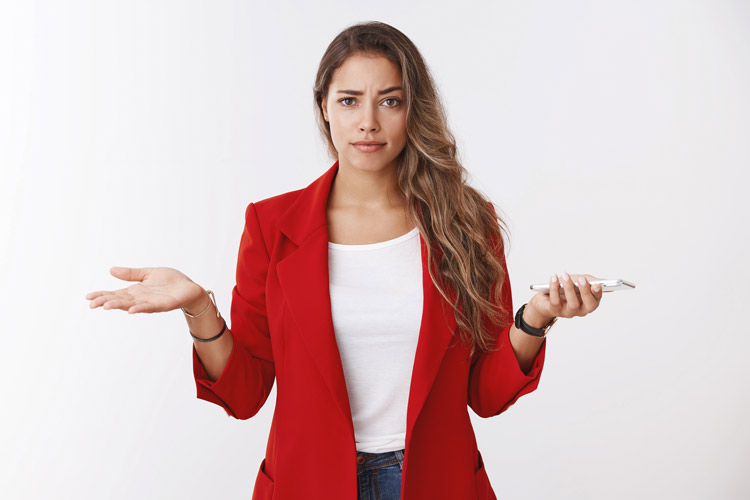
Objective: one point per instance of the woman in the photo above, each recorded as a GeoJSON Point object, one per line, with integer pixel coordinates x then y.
{"type": "Point", "coordinates": [377, 296]}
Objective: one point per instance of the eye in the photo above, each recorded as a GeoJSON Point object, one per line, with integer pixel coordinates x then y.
{"type": "Point", "coordinates": [397, 103]}
{"type": "Point", "coordinates": [345, 99]}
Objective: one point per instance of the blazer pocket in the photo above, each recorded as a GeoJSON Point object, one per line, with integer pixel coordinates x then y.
{"type": "Point", "coordinates": [263, 489]}
{"type": "Point", "coordinates": [482, 482]}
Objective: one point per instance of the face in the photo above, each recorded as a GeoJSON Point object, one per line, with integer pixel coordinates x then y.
{"type": "Point", "coordinates": [365, 102]}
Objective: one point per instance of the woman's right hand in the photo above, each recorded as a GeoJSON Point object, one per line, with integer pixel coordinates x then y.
{"type": "Point", "coordinates": [159, 289]}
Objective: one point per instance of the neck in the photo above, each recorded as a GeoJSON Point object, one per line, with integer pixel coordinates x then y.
{"type": "Point", "coordinates": [368, 189]}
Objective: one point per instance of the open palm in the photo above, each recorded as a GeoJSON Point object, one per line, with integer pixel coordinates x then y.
{"type": "Point", "coordinates": [159, 289]}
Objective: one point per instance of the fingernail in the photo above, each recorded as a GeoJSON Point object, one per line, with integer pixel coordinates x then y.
{"type": "Point", "coordinates": [582, 281]}
{"type": "Point", "coordinates": [566, 276]}
{"type": "Point", "coordinates": [553, 278]}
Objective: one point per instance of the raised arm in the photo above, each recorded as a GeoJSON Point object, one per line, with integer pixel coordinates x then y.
{"type": "Point", "coordinates": [247, 377]}
{"type": "Point", "coordinates": [497, 379]}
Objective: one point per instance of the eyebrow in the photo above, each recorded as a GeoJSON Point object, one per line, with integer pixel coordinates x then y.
{"type": "Point", "coordinates": [359, 92]}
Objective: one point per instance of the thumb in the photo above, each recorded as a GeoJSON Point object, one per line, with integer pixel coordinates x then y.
{"type": "Point", "coordinates": [130, 273]}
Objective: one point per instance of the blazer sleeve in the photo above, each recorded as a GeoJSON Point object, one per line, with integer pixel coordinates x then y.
{"type": "Point", "coordinates": [247, 379]}
{"type": "Point", "coordinates": [496, 380]}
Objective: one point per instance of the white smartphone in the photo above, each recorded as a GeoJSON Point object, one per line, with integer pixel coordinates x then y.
{"type": "Point", "coordinates": [607, 285]}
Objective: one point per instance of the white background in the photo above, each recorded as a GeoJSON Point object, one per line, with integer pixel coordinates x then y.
{"type": "Point", "coordinates": [614, 136]}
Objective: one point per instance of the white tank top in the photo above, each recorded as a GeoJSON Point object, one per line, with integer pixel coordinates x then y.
{"type": "Point", "coordinates": [376, 306]}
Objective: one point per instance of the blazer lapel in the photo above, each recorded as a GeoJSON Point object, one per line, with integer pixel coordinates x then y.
{"type": "Point", "coordinates": [303, 277]}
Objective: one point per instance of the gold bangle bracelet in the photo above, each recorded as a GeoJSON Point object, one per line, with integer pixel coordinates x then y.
{"type": "Point", "coordinates": [212, 299]}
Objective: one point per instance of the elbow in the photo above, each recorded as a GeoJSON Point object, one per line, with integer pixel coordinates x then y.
{"type": "Point", "coordinates": [488, 411]}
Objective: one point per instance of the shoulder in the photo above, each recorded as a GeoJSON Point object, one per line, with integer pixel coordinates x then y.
{"type": "Point", "coordinates": [273, 207]}
{"type": "Point", "coordinates": [265, 212]}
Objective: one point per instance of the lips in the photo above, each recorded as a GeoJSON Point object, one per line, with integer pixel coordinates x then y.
{"type": "Point", "coordinates": [368, 146]}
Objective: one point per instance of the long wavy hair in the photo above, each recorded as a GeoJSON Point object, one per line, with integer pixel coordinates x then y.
{"type": "Point", "coordinates": [461, 229]}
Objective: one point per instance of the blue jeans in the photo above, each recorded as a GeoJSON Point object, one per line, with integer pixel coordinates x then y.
{"type": "Point", "coordinates": [379, 475]}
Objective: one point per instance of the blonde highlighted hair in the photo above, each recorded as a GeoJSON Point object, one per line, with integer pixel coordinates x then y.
{"type": "Point", "coordinates": [461, 229]}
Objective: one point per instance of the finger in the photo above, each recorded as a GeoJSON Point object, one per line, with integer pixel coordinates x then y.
{"type": "Point", "coordinates": [570, 292]}
{"type": "Point", "coordinates": [113, 301]}
{"type": "Point", "coordinates": [130, 273]}
{"type": "Point", "coordinates": [100, 299]}
{"type": "Point", "coordinates": [123, 304]}
{"type": "Point", "coordinates": [554, 292]}
{"type": "Point", "coordinates": [589, 301]}
{"type": "Point", "coordinates": [144, 307]}
{"type": "Point", "coordinates": [576, 284]}
{"type": "Point", "coordinates": [598, 291]}
{"type": "Point", "coordinates": [594, 288]}
{"type": "Point", "coordinates": [101, 293]}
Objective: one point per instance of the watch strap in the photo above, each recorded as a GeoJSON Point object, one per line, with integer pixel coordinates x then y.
{"type": "Point", "coordinates": [526, 328]}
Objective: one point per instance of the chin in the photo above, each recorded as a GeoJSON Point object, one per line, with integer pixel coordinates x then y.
{"type": "Point", "coordinates": [370, 163]}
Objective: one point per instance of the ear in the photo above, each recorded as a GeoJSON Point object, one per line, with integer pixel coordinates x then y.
{"type": "Point", "coordinates": [324, 105]}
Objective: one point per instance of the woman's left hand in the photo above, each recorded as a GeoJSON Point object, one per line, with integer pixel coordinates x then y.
{"type": "Point", "coordinates": [574, 301]}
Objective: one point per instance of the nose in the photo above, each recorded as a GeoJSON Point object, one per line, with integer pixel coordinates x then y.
{"type": "Point", "coordinates": [368, 120]}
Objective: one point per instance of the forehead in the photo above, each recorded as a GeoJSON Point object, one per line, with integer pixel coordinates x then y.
{"type": "Point", "coordinates": [366, 72]}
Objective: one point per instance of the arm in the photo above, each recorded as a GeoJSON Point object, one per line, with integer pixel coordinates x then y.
{"type": "Point", "coordinates": [497, 379]}
{"type": "Point", "coordinates": [525, 346]}
{"type": "Point", "coordinates": [214, 354]}
{"type": "Point", "coordinates": [242, 386]}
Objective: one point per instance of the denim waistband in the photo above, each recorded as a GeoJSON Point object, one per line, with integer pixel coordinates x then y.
{"type": "Point", "coordinates": [369, 461]}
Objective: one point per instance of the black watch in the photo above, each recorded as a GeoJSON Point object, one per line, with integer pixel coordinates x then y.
{"type": "Point", "coordinates": [524, 327]}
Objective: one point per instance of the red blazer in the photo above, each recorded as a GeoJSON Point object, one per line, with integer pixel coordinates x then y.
{"type": "Point", "coordinates": [283, 331]}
